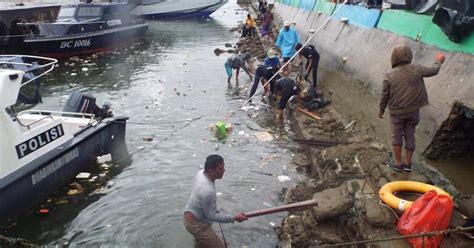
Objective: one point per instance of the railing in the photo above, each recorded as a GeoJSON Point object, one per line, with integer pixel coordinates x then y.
{"type": "Point", "coordinates": [50, 62]}
{"type": "Point", "coordinates": [49, 114]}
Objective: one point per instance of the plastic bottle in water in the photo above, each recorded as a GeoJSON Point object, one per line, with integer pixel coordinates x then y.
{"type": "Point", "coordinates": [285, 170]}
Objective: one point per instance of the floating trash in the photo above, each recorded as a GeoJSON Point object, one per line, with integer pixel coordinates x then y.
{"type": "Point", "coordinates": [73, 192]}
{"type": "Point", "coordinates": [267, 204]}
{"type": "Point", "coordinates": [264, 136]}
{"type": "Point", "coordinates": [283, 178]}
{"type": "Point", "coordinates": [83, 175]}
{"type": "Point", "coordinates": [105, 158]}
{"type": "Point", "coordinates": [60, 202]}
{"type": "Point", "coordinates": [218, 193]}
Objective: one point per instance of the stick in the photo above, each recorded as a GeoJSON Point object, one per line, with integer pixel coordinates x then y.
{"type": "Point", "coordinates": [308, 113]}
{"type": "Point", "coordinates": [294, 206]}
{"type": "Point", "coordinates": [318, 142]}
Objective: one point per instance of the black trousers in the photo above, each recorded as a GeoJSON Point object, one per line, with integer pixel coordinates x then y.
{"type": "Point", "coordinates": [314, 71]}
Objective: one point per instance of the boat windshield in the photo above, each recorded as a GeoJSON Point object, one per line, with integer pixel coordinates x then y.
{"type": "Point", "coordinates": [66, 13]}
{"type": "Point", "coordinates": [88, 12]}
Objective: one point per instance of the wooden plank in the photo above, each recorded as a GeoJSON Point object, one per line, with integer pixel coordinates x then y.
{"type": "Point", "coordinates": [294, 206]}
{"type": "Point", "coordinates": [308, 113]}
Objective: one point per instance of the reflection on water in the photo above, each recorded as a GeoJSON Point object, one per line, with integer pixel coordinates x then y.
{"type": "Point", "coordinates": [169, 77]}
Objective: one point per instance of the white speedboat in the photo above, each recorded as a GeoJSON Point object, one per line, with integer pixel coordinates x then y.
{"type": "Point", "coordinates": [174, 8]}
{"type": "Point", "coordinates": [42, 150]}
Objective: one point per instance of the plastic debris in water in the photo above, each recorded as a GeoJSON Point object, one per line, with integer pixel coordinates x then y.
{"type": "Point", "coordinates": [272, 224]}
{"type": "Point", "coordinates": [83, 175]}
{"type": "Point", "coordinates": [104, 158]}
{"type": "Point", "coordinates": [267, 204]}
{"type": "Point", "coordinates": [73, 192]}
{"type": "Point", "coordinates": [218, 193]}
{"type": "Point", "coordinates": [283, 178]}
{"type": "Point", "coordinates": [264, 136]}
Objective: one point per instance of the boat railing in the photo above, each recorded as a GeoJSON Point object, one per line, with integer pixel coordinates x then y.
{"type": "Point", "coordinates": [48, 114]}
{"type": "Point", "coordinates": [48, 64]}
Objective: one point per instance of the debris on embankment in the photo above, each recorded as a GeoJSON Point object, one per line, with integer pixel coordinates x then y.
{"type": "Point", "coordinates": [345, 162]}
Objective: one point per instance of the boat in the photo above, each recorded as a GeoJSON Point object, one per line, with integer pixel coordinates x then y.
{"type": "Point", "coordinates": [42, 150]}
{"type": "Point", "coordinates": [154, 9]}
{"type": "Point", "coordinates": [12, 14]}
{"type": "Point", "coordinates": [84, 28]}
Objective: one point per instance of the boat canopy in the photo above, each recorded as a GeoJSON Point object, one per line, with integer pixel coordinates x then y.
{"type": "Point", "coordinates": [86, 17]}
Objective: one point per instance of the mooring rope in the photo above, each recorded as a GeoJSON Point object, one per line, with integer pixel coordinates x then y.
{"type": "Point", "coordinates": [162, 123]}
{"type": "Point", "coordinates": [297, 52]}
{"type": "Point", "coordinates": [417, 235]}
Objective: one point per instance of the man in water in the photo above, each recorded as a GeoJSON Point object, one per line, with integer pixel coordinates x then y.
{"type": "Point", "coordinates": [405, 93]}
{"type": "Point", "coordinates": [286, 41]}
{"type": "Point", "coordinates": [201, 209]}
{"type": "Point", "coordinates": [235, 62]}
{"type": "Point", "coordinates": [263, 74]}
{"type": "Point", "coordinates": [285, 88]}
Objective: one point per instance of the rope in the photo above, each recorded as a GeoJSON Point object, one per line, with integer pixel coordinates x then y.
{"type": "Point", "coordinates": [161, 123]}
{"type": "Point", "coordinates": [425, 234]}
{"type": "Point", "coordinates": [223, 236]}
{"type": "Point", "coordinates": [297, 52]}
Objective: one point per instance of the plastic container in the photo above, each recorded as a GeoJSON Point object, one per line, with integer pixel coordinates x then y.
{"type": "Point", "coordinates": [221, 130]}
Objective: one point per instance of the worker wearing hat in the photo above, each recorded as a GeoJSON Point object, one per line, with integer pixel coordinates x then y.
{"type": "Point", "coordinates": [286, 41]}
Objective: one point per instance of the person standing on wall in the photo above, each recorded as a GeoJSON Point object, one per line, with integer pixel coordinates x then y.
{"type": "Point", "coordinates": [286, 41]}
{"type": "Point", "coordinates": [201, 209]}
{"type": "Point", "coordinates": [312, 62]}
{"type": "Point", "coordinates": [405, 93]}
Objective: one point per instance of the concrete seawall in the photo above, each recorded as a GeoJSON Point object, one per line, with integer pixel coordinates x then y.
{"type": "Point", "coordinates": [356, 83]}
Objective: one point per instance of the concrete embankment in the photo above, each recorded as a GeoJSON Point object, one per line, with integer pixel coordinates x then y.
{"type": "Point", "coordinates": [346, 177]}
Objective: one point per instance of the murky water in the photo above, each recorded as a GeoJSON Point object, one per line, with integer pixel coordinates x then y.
{"type": "Point", "coordinates": [169, 78]}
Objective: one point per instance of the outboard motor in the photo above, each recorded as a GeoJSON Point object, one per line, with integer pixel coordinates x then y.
{"type": "Point", "coordinates": [82, 103]}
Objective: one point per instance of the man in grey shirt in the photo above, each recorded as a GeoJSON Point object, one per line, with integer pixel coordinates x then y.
{"type": "Point", "coordinates": [201, 209]}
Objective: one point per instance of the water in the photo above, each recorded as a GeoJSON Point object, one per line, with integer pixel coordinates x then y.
{"type": "Point", "coordinates": [172, 76]}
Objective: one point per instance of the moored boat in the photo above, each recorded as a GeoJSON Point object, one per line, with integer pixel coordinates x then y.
{"type": "Point", "coordinates": [85, 28]}
{"type": "Point", "coordinates": [42, 150]}
{"type": "Point", "coordinates": [174, 8]}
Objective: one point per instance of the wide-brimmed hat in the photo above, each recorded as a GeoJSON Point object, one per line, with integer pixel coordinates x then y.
{"type": "Point", "coordinates": [286, 23]}
{"type": "Point", "coordinates": [271, 54]}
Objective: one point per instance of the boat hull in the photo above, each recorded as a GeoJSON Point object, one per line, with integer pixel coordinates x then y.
{"type": "Point", "coordinates": [159, 11]}
{"type": "Point", "coordinates": [27, 186]}
{"type": "Point", "coordinates": [85, 43]}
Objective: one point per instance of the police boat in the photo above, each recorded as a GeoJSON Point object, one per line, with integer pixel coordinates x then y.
{"type": "Point", "coordinates": [84, 28]}
{"type": "Point", "coordinates": [42, 150]}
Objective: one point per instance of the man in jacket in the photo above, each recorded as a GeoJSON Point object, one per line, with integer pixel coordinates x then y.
{"type": "Point", "coordinates": [286, 41]}
{"type": "Point", "coordinates": [405, 93]}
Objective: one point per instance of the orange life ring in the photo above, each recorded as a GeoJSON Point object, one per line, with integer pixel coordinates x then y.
{"type": "Point", "coordinates": [386, 192]}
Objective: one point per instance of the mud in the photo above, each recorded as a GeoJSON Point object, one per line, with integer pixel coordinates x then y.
{"type": "Point", "coordinates": [345, 178]}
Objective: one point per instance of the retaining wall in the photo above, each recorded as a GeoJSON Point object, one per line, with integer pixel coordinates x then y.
{"type": "Point", "coordinates": [368, 52]}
